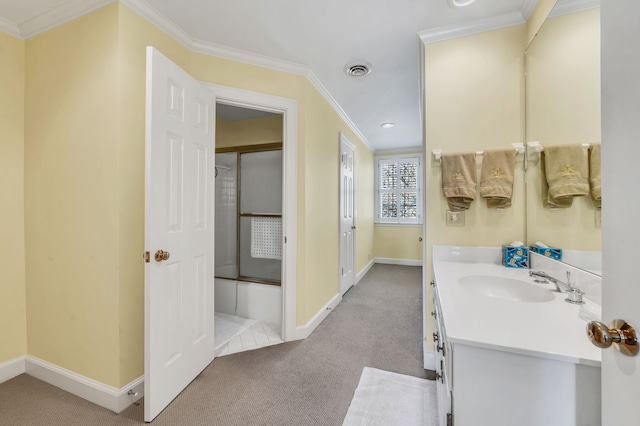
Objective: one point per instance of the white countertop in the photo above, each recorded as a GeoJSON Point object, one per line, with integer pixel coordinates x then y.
{"type": "Point", "coordinates": [554, 330]}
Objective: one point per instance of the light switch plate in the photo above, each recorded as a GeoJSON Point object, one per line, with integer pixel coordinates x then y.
{"type": "Point", "coordinates": [455, 218]}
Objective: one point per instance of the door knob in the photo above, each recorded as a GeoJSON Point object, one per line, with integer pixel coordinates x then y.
{"type": "Point", "coordinates": [161, 255]}
{"type": "Point", "coordinates": [621, 334]}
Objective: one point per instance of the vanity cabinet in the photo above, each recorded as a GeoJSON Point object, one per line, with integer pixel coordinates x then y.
{"type": "Point", "coordinates": [480, 384]}
{"type": "Point", "coordinates": [443, 364]}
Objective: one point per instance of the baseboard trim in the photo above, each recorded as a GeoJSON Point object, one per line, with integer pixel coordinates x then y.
{"type": "Point", "coordinates": [12, 368]}
{"type": "Point", "coordinates": [364, 270]}
{"type": "Point", "coordinates": [429, 361]}
{"type": "Point", "coordinates": [103, 395]}
{"type": "Point", "coordinates": [302, 332]}
{"type": "Point", "coordinates": [403, 262]}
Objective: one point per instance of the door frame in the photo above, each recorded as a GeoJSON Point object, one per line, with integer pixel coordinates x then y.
{"type": "Point", "coordinates": [289, 110]}
{"type": "Point", "coordinates": [344, 140]}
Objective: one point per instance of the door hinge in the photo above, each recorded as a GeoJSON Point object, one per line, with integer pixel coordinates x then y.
{"type": "Point", "coordinates": [285, 240]}
{"type": "Point", "coordinates": [147, 257]}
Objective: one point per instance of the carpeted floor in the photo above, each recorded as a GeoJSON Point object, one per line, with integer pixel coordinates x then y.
{"type": "Point", "coordinates": [310, 382]}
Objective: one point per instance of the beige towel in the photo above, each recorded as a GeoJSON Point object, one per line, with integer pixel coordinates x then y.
{"type": "Point", "coordinates": [547, 201]}
{"type": "Point", "coordinates": [496, 177]}
{"type": "Point", "coordinates": [595, 175]}
{"type": "Point", "coordinates": [567, 171]}
{"type": "Point", "coordinates": [459, 179]}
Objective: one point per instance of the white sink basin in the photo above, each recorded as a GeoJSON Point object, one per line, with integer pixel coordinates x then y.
{"type": "Point", "coordinates": [505, 288]}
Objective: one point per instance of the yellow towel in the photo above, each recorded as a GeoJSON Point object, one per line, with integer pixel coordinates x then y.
{"type": "Point", "coordinates": [547, 201]}
{"type": "Point", "coordinates": [595, 175]}
{"type": "Point", "coordinates": [496, 177]}
{"type": "Point", "coordinates": [567, 171]}
{"type": "Point", "coordinates": [459, 179]}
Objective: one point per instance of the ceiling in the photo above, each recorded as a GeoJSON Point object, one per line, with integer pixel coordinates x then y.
{"type": "Point", "coordinates": [319, 38]}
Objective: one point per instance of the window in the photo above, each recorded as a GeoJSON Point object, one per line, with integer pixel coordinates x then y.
{"type": "Point", "coordinates": [398, 189]}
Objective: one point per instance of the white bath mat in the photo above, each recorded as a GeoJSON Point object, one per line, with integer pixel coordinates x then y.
{"type": "Point", "coordinates": [388, 399]}
{"type": "Point", "coordinates": [228, 326]}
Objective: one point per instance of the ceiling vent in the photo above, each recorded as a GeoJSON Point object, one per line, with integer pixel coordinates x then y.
{"type": "Point", "coordinates": [357, 69]}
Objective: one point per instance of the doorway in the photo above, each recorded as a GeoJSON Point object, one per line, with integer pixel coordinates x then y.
{"type": "Point", "coordinates": [248, 229]}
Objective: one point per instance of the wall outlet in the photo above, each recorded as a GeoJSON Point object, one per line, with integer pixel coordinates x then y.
{"type": "Point", "coordinates": [455, 218]}
{"type": "Point", "coordinates": [598, 218]}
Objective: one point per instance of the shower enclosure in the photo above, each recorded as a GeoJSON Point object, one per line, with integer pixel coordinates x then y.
{"type": "Point", "coordinates": [248, 236]}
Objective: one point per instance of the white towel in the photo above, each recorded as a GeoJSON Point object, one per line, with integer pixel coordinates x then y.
{"type": "Point", "coordinates": [266, 237]}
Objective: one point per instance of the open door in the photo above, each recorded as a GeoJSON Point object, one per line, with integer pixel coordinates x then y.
{"type": "Point", "coordinates": [620, 36]}
{"type": "Point", "coordinates": [179, 226]}
{"type": "Point", "coordinates": [347, 215]}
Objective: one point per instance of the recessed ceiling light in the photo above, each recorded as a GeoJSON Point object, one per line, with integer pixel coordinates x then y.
{"type": "Point", "coordinates": [357, 69]}
{"type": "Point", "coordinates": [460, 3]}
{"type": "Point", "coordinates": [387, 125]}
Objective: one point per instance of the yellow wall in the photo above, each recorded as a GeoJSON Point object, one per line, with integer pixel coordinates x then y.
{"type": "Point", "coordinates": [248, 132]}
{"type": "Point", "coordinates": [12, 252]}
{"type": "Point", "coordinates": [134, 35]}
{"type": "Point", "coordinates": [365, 199]}
{"type": "Point", "coordinates": [398, 242]}
{"type": "Point", "coordinates": [71, 196]}
{"type": "Point", "coordinates": [563, 106]}
{"type": "Point", "coordinates": [474, 90]}
{"type": "Point", "coordinates": [84, 188]}
{"type": "Point", "coordinates": [318, 148]}
{"type": "Point", "coordinates": [537, 18]}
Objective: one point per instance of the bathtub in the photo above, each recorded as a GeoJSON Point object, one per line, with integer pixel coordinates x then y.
{"type": "Point", "coordinates": [261, 302]}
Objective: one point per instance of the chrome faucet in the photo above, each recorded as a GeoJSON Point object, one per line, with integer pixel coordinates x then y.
{"type": "Point", "coordinates": [560, 286]}
{"type": "Point", "coordinates": [574, 294]}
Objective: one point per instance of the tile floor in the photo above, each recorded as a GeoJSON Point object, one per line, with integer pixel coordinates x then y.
{"type": "Point", "coordinates": [258, 335]}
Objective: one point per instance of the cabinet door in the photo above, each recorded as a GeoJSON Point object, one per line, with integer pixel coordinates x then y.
{"type": "Point", "coordinates": [442, 368]}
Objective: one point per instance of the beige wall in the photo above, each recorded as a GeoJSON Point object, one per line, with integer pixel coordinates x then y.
{"type": "Point", "coordinates": [84, 188]}
{"type": "Point", "coordinates": [12, 252]}
{"type": "Point", "coordinates": [563, 106]}
{"type": "Point", "coordinates": [248, 132]}
{"type": "Point", "coordinates": [474, 89]}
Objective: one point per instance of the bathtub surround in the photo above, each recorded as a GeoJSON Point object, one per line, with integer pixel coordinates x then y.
{"type": "Point", "coordinates": [308, 382]}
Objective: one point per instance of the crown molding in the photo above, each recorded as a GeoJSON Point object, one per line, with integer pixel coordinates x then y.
{"type": "Point", "coordinates": [528, 6]}
{"type": "Point", "coordinates": [9, 27]}
{"type": "Point", "coordinates": [151, 14]}
{"type": "Point", "coordinates": [572, 6]}
{"type": "Point", "coordinates": [72, 9]}
{"type": "Point", "coordinates": [315, 81]}
{"type": "Point", "coordinates": [250, 58]}
{"type": "Point", "coordinates": [65, 12]}
{"type": "Point", "coordinates": [449, 32]}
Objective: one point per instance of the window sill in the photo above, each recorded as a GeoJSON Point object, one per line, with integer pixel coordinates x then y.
{"type": "Point", "coordinates": [399, 225]}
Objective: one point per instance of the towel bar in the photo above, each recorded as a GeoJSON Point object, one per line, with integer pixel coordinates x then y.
{"type": "Point", "coordinates": [436, 154]}
{"type": "Point", "coordinates": [535, 148]}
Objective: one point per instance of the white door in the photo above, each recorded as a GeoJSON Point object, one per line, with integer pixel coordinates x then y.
{"type": "Point", "coordinates": [347, 215]}
{"type": "Point", "coordinates": [620, 34]}
{"type": "Point", "coordinates": [179, 220]}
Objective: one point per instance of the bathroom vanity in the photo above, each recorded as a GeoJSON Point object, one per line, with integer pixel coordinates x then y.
{"type": "Point", "coordinates": [510, 351]}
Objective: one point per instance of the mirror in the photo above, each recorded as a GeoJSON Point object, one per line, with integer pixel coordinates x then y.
{"type": "Point", "coordinates": [563, 106]}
